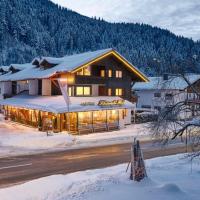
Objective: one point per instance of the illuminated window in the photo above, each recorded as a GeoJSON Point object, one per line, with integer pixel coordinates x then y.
{"type": "Point", "coordinates": [80, 72]}
{"type": "Point", "coordinates": [85, 119]}
{"type": "Point", "coordinates": [84, 71]}
{"type": "Point", "coordinates": [118, 91]}
{"type": "Point", "coordinates": [109, 92]}
{"type": "Point", "coordinates": [102, 73]}
{"type": "Point", "coordinates": [70, 91]}
{"type": "Point", "coordinates": [86, 91]}
{"type": "Point", "coordinates": [109, 73]}
{"type": "Point", "coordinates": [87, 71]}
{"type": "Point", "coordinates": [83, 91]}
{"type": "Point", "coordinates": [118, 74]}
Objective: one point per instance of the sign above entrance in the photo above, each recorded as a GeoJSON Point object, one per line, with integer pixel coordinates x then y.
{"type": "Point", "coordinates": [87, 104]}
{"type": "Point", "coordinates": [118, 102]}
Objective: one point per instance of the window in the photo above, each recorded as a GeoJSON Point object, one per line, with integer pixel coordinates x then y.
{"type": "Point", "coordinates": [168, 96]}
{"type": "Point", "coordinates": [118, 91]}
{"type": "Point", "coordinates": [69, 91]}
{"type": "Point", "coordinates": [83, 91]}
{"type": "Point", "coordinates": [80, 72]}
{"type": "Point", "coordinates": [118, 74]}
{"type": "Point", "coordinates": [146, 106]}
{"type": "Point", "coordinates": [102, 73]}
{"type": "Point", "coordinates": [85, 119]}
{"type": "Point", "coordinates": [84, 71]}
{"type": "Point", "coordinates": [109, 73]}
{"type": "Point", "coordinates": [157, 94]}
{"type": "Point", "coordinates": [109, 92]}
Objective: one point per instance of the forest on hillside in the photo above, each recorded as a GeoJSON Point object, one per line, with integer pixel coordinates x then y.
{"type": "Point", "coordinates": [32, 28]}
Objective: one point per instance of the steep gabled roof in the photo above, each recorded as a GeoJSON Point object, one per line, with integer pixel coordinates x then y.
{"type": "Point", "coordinates": [69, 64]}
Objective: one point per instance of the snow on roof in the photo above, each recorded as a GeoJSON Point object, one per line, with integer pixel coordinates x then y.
{"type": "Point", "coordinates": [5, 68]}
{"type": "Point", "coordinates": [20, 66]}
{"type": "Point", "coordinates": [28, 73]}
{"type": "Point", "coordinates": [70, 61]}
{"type": "Point", "coordinates": [64, 64]}
{"type": "Point", "coordinates": [67, 63]}
{"type": "Point", "coordinates": [172, 83]}
{"type": "Point", "coordinates": [56, 104]}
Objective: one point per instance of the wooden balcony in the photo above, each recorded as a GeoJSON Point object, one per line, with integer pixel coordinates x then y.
{"type": "Point", "coordinates": [79, 79]}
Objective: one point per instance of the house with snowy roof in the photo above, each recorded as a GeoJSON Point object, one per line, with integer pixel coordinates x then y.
{"type": "Point", "coordinates": [85, 92]}
{"type": "Point", "coordinates": [165, 91]}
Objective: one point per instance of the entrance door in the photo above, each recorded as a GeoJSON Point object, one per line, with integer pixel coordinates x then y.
{"type": "Point", "coordinates": [73, 123]}
{"type": "Point", "coordinates": [14, 87]}
{"type": "Point", "coordinates": [39, 87]}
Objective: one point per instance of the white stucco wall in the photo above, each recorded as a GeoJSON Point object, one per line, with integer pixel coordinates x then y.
{"type": "Point", "coordinates": [33, 87]}
{"type": "Point", "coordinates": [146, 98]}
{"type": "Point", "coordinates": [5, 88]}
{"type": "Point", "coordinates": [1, 90]}
{"type": "Point", "coordinates": [22, 86]}
{"type": "Point", "coordinates": [127, 119]}
{"type": "Point", "coordinates": [46, 87]}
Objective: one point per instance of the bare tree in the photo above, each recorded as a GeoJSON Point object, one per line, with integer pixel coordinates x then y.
{"type": "Point", "coordinates": [180, 119]}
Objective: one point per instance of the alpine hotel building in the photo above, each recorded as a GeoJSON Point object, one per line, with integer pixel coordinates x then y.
{"type": "Point", "coordinates": [98, 86]}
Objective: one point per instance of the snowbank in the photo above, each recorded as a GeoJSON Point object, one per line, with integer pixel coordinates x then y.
{"type": "Point", "coordinates": [16, 139]}
{"type": "Point", "coordinates": [170, 178]}
{"type": "Point", "coordinates": [18, 136]}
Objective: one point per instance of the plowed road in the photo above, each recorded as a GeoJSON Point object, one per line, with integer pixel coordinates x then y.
{"type": "Point", "coordinates": [19, 169]}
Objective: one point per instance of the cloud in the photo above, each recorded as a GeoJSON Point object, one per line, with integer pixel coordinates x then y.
{"type": "Point", "coordinates": [179, 16]}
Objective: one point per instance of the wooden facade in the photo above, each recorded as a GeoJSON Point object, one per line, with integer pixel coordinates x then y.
{"type": "Point", "coordinates": [110, 65]}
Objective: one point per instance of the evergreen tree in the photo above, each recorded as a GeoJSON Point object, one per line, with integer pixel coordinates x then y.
{"type": "Point", "coordinates": [31, 28]}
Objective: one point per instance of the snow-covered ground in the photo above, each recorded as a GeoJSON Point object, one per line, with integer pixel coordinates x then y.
{"type": "Point", "coordinates": [169, 178]}
{"type": "Point", "coordinates": [16, 139]}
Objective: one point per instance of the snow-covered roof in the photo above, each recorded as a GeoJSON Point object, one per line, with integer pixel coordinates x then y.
{"type": "Point", "coordinates": [20, 66]}
{"type": "Point", "coordinates": [56, 104]}
{"type": "Point", "coordinates": [5, 68]}
{"type": "Point", "coordinates": [64, 64]}
{"type": "Point", "coordinates": [174, 83]}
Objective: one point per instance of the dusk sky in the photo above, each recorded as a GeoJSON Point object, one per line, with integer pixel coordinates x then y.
{"type": "Point", "coordinates": [179, 16]}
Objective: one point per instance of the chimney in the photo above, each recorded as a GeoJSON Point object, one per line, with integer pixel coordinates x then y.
{"type": "Point", "coordinates": [165, 77]}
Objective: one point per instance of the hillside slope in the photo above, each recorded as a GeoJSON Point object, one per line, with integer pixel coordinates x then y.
{"type": "Point", "coordinates": [30, 28]}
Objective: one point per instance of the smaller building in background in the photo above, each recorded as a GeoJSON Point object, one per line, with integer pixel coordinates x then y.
{"type": "Point", "coordinates": [161, 92]}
